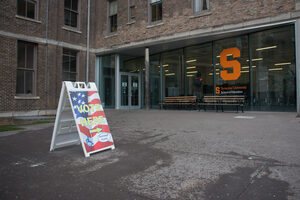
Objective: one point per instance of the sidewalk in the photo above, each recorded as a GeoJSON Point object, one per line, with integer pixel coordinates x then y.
{"type": "Point", "coordinates": [161, 154]}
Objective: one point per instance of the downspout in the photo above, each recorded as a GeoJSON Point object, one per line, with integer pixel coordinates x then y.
{"type": "Point", "coordinates": [46, 64]}
{"type": "Point", "coordinates": [88, 44]}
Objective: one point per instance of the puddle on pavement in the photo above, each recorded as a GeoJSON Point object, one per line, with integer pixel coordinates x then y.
{"type": "Point", "coordinates": [248, 184]}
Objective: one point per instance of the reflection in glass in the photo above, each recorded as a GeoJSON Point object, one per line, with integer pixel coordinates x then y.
{"type": "Point", "coordinates": [199, 70]}
{"type": "Point", "coordinates": [274, 80]}
{"type": "Point", "coordinates": [172, 73]}
{"type": "Point", "coordinates": [107, 81]}
{"type": "Point", "coordinates": [155, 81]}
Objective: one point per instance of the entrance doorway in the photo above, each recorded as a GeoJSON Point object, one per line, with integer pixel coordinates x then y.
{"type": "Point", "coordinates": [130, 91]}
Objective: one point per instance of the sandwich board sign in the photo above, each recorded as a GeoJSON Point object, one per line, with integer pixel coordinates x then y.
{"type": "Point", "coordinates": [80, 119]}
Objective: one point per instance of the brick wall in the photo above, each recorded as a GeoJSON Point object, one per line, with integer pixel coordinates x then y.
{"type": "Point", "coordinates": [178, 17]}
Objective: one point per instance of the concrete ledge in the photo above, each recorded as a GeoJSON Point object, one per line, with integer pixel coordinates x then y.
{"type": "Point", "coordinates": [27, 113]}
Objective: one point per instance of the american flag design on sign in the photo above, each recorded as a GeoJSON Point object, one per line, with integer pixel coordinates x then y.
{"type": "Point", "coordinates": [91, 120]}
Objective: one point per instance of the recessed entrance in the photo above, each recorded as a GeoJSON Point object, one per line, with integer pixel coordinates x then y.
{"type": "Point", "coordinates": [130, 91]}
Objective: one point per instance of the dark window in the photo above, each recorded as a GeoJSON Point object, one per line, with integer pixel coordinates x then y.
{"type": "Point", "coordinates": [27, 8]}
{"type": "Point", "coordinates": [25, 67]}
{"type": "Point", "coordinates": [156, 10]}
{"type": "Point", "coordinates": [69, 65]}
{"type": "Point", "coordinates": [131, 9]}
{"type": "Point", "coordinates": [200, 5]}
{"type": "Point", "coordinates": [113, 16]}
{"type": "Point", "coordinates": [71, 13]}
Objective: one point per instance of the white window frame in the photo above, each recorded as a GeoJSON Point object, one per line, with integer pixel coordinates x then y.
{"type": "Point", "coordinates": [130, 4]}
{"type": "Point", "coordinates": [36, 9]}
{"type": "Point", "coordinates": [34, 69]}
{"type": "Point", "coordinates": [78, 16]}
{"type": "Point", "coordinates": [62, 67]}
{"type": "Point", "coordinates": [109, 15]}
{"type": "Point", "coordinates": [150, 2]}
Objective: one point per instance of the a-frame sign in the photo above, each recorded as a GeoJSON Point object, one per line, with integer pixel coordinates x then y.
{"type": "Point", "coordinates": [80, 119]}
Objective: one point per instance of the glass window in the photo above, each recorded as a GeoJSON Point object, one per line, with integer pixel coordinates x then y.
{"type": "Point", "coordinates": [155, 92]}
{"type": "Point", "coordinates": [199, 70]}
{"type": "Point", "coordinates": [27, 8]}
{"type": "Point", "coordinates": [200, 5]}
{"type": "Point", "coordinates": [274, 79]}
{"type": "Point", "coordinates": [25, 68]}
{"type": "Point", "coordinates": [156, 10]}
{"type": "Point", "coordinates": [71, 13]}
{"type": "Point", "coordinates": [232, 66]}
{"type": "Point", "coordinates": [69, 66]}
{"type": "Point", "coordinates": [113, 16]}
{"type": "Point", "coordinates": [172, 73]}
{"type": "Point", "coordinates": [107, 81]}
{"type": "Point", "coordinates": [131, 10]}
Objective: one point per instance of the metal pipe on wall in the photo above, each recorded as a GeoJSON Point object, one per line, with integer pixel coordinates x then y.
{"type": "Point", "coordinates": [88, 42]}
{"type": "Point", "coordinates": [147, 79]}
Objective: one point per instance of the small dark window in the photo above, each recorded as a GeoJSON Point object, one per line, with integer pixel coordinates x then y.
{"type": "Point", "coordinates": [71, 13]}
{"type": "Point", "coordinates": [25, 67]}
{"type": "Point", "coordinates": [27, 8]}
{"type": "Point", "coordinates": [131, 13]}
{"type": "Point", "coordinates": [69, 66]}
{"type": "Point", "coordinates": [156, 10]}
{"type": "Point", "coordinates": [113, 16]}
{"type": "Point", "coordinates": [200, 5]}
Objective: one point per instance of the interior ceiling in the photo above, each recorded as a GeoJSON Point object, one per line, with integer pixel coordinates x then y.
{"type": "Point", "coordinates": [159, 47]}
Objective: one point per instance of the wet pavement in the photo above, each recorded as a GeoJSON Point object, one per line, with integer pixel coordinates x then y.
{"type": "Point", "coordinates": [164, 154]}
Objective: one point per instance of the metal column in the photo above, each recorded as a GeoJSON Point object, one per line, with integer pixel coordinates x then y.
{"type": "Point", "coordinates": [147, 79]}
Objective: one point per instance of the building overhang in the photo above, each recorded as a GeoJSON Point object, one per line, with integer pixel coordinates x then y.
{"type": "Point", "coordinates": [199, 36]}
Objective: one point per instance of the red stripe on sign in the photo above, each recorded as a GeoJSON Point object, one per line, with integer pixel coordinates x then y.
{"type": "Point", "coordinates": [95, 101]}
{"type": "Point", "coordinates": [98, 113]}
{"type": "Point", "coordinates": [92, 92]}
{"type": "Point", "coordinates": [84, 130]}
{"type": "Point", "coordinates": [98, 146]}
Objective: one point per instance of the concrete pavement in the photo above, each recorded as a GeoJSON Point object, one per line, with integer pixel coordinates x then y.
{"type": "Point", "coordinates": [161, 155]}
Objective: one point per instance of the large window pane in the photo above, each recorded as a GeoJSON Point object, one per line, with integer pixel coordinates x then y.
{"type": "Point", "coordinates": [172, 73]}
{"type": "Point", "coordinates": [199, 70]}
{"type": "Point", "coordinates": [30, 9]}
{"type": "Point", "coordinates": [69, 65]}
{"type": "Point", "coordinates": [21, 8]}
{"type": "Point", "coordinates": [155, 93]}
{"type": "Point", "coordinates": [232, 75]}
{"type": "Point", "coordinates": [107, 81]}
{"type": "Point", "coordinates": [21, 54]}
{"type": "Point", "coordinates": [274, 80]}
{"type": "Point", "coordinates": [20, 82]}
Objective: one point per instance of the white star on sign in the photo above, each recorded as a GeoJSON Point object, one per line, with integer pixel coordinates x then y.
{"type": "Point", "coordinates": [79, 94]}
{"type": "Point", "coordinates": [74, 98]}
{"type": "Point", "coordinates": [83, 102]}
{"type": "Point", "coordinates": [79, 101]}
{"type": "Point", "coordinates": [83, 95]}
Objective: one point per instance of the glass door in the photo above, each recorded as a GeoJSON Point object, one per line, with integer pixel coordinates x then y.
{"type": "Point", "coordinates": [130, 91]}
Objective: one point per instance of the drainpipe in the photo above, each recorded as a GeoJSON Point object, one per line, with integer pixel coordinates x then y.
{"type": "Point", "coordinates": [147, 79]}
{"type": "Point", "coordinates": [297, 34]}
{"type": "Point", "coordinates": [88, 43]}
{"type": "Point", "coordinates": [46, 64]}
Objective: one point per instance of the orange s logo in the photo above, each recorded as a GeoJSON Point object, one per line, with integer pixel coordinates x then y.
{"type": "Point", "coordinates": [236, 65]}
{"type": "Point", "coordinates": [218, 90]}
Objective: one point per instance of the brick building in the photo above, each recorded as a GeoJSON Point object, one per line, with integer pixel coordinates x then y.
{"type": "Point", "coordinates": [47, 41]}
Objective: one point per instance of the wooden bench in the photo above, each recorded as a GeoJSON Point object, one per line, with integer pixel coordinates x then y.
{"type": "Point", "coordinates": [221, 101]}
{"type": "Point", "coordinates": [180, 101]}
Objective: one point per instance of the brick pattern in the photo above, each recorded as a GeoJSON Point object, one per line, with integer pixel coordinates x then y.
{"type": "Point", "coordinates": [178, 17]}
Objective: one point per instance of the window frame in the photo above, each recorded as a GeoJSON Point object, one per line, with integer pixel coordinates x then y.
{"type": "Point", "coordinates": [150, 12]}
{"type": "Point", "coordinates": [131, 5]}
{"type": "Point", "coordinates": [78, 12]}
{"type": "Point", "coordinates": [109, 18]}
{"type": "Point", "coordinates": [62, 63]}
{"type": "Point", "coordinates": [34, 68]}
{"type": "Point", "coordinates": [36, 9]}
{"type": "Point", "coordinates": [201, 7]}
